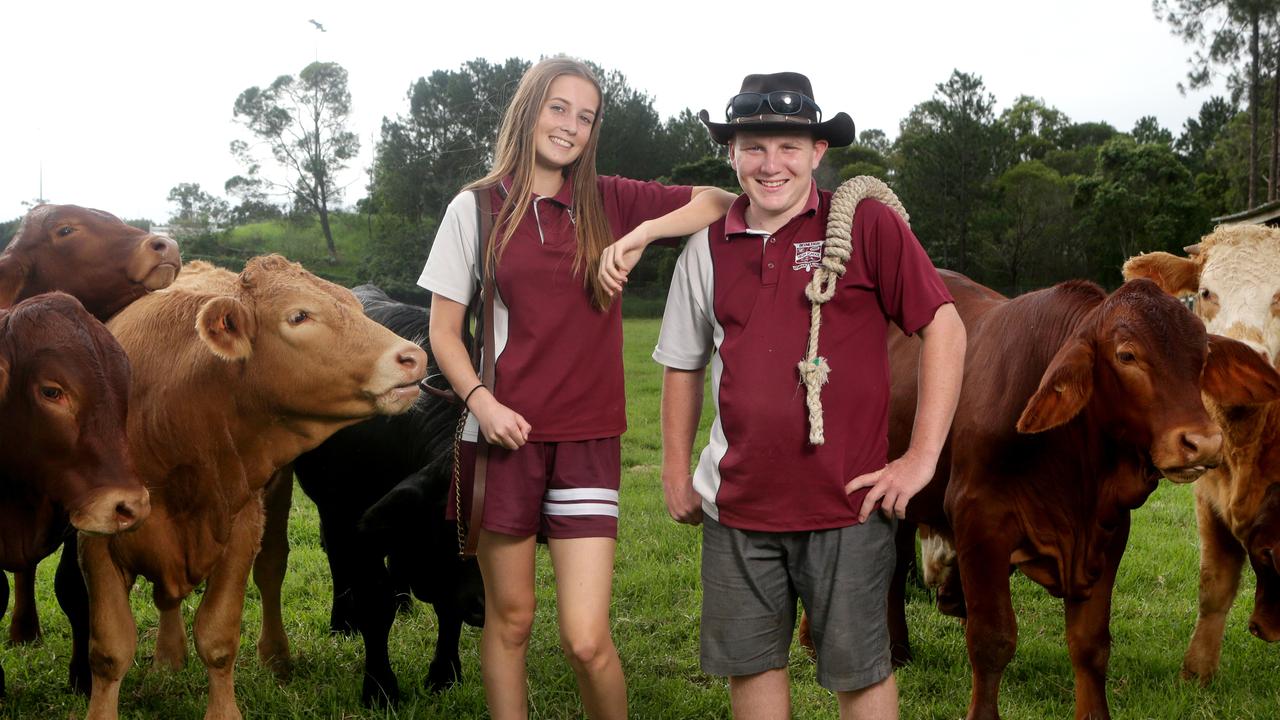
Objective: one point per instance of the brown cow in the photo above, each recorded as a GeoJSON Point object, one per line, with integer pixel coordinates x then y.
{"type": "Point", "coordinates": [64, 388]}
{"type": "Point", "coordinates": [103, 263]}
{"type": "Point", "coordinates": [1074, 403]}
{"type": "Point", "coordinates": [89, 254]}
{"type": "Point", "coordinates": [1235, 274]}
{"type": "Point", "coordinates": [234, 376]}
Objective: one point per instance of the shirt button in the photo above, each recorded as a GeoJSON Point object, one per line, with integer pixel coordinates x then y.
{"type": "Point", "coordinates": [772, 240]}
{"type": "Point", "coordinates": [770, 266]}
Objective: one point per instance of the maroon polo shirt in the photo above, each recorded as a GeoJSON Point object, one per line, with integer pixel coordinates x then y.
{"type": "Point", "coordinates": [759, 471]}
{"type": "Point", "coordinates": [561, 365]}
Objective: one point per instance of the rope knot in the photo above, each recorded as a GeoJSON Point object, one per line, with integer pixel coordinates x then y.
{"type": "Point", "coordinates": [837, 249]}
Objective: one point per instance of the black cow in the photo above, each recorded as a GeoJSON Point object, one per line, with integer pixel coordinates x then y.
{"type": "Point", "coordinates": [380, 487]}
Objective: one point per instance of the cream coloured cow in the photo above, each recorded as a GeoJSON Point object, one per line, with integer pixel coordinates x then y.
{"type": "Point", "coordinates": [1234, 273]}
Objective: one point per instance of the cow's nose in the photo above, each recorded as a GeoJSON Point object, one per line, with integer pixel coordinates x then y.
{"type": "Point", "coordinates": [160, 245]}
{"type": "Point", "coordinates": [413, 360]}
{"type": "Point", "coordinates": [131, 510]}
{"type": "Point", "coordinates": [125, 514]}
{"type": "Point", "coordinates": [1200, 446]}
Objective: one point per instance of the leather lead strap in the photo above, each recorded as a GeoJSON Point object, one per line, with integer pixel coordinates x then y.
{"type": "Point", "coordinates": [484, 336]}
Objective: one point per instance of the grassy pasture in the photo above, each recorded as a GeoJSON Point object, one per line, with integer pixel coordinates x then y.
{"type": "Point", "coordinates": [656, 601]}
{"type": "Point", "coordinates": [304, 242]}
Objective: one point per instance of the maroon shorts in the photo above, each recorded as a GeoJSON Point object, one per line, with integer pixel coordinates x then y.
{"type": "Point", "coordinates": [558, 490]}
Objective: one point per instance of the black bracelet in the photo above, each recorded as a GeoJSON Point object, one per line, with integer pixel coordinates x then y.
{"type": "Point", "coordinates": [469, 394]}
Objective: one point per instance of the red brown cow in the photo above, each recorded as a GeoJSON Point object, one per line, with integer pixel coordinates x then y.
{"type": "Point", "coordinates": [64, 387]}
{"type": "Point", "coordinates": [103, 263]}
{"type": "Point", "coordinates": [1074, 404]}
{"type": "Point", "coordinates": [89, 254]}
{"type": "Point", "coordinates": [1235, 274]}
{"type": "Point", "coordinates": [234, 376]}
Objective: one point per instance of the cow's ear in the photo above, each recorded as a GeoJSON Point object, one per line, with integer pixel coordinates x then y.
{"type": "Point", "coordinates": [227, 327]}
{"type": "Point", "coordinates": [1064, 389]}
{"type": "Point", "coordinates": [1175, 275]}
{"type": "Point", "coordinates": [1236, 374]}
{"type": "Point", "coordinates": [13, 276]}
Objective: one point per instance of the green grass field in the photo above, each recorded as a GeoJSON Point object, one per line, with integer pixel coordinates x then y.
{"type": "Point", "coordinates": [656, 601]}
{"type": "Point", "coordinates": [304, 243]}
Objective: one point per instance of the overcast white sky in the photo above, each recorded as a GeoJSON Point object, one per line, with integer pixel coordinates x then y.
{"type": "Point", "coordinates": [120, 101]}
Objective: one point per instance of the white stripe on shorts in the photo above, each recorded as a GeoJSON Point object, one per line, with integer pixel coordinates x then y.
{"type": "Point", "coordinates": [564, 494]}
{"type": "Point", "coordinates": [580, 509]}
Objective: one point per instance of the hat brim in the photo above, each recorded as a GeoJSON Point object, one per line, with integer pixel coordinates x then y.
{"type": "Point", "coordinates": [839, 131]}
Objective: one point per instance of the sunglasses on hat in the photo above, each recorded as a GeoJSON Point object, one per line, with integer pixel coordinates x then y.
{"type": "Point", "coordinates": [781, 102]}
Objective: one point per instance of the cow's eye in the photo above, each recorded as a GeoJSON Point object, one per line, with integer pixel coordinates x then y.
{"type": "Point", "coordinates": [65, 230]}
{"type": "Point", "coordinates": [1205, 293]}
{"type": "Point", "coordinates": [1125, 356]}
{"type": "Point", "coordinates": [299, 317]}
{"type": "Point", "coordinates": [51, 393]}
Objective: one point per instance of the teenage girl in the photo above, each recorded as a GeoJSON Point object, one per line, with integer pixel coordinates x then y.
{"type": "Point", "coordinates": [555, 414]}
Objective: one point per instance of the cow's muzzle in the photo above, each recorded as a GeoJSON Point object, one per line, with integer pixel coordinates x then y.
{"type": "Point", "coordinates": [112, 510]}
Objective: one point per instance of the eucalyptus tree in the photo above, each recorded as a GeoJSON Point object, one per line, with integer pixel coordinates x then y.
{"type": "Point", "coordinates": [302, 122]}
{"type": "Point", "coordinates": [197, 210]}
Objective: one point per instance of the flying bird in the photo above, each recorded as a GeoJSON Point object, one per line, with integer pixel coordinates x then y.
{"type": "Point", "coordinates": [318, 25]}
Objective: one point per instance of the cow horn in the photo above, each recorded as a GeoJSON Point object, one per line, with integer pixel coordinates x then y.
{"type": "Point", "coordinates": [1192, 250]}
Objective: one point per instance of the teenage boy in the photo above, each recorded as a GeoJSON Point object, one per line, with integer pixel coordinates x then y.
{"type": "Point", "coordinates": [783, 517]}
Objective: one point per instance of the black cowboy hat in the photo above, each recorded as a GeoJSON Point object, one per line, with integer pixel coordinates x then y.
{"type": "Point", "coordinates": [778, 102]}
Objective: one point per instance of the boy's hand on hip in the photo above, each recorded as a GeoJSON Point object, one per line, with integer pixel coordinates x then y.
{"type": "Point", "coordinates": [893, 485]}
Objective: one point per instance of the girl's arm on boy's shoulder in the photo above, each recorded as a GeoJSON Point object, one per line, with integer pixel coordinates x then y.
{"type": "Point", "coordinates": [706, 205]}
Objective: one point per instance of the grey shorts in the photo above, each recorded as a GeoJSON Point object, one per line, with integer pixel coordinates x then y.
{"type": "Point", "coordinates": [750, 583]}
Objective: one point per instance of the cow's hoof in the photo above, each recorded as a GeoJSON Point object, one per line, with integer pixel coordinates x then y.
{"type": "Point", "coordinates": [79, 679]}
{"type": "Point", "coordinates": [281, 666]}
{"type": "Point", "coordinates": [166, 662]}
{"type": "Point", "coordinates": [900, 655]}
{"type": "Point", "coordinates": [379, 694]}
{"type": "Point", "coordinates": [24, 633]}
{"type": "Point", "coordinates": [343, 626]}
{"type": "Point", "coordinates": [953, 607]}
{"type": "Point", "coordinates": [443, 675]}
{"type": "Point", "coordinates": [1200, 676]}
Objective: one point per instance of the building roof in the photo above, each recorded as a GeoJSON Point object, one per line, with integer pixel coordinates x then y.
{"type": "Point", "coordinates": [1265, 214]}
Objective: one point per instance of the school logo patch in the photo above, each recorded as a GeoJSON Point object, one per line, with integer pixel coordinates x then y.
{"type": "Point", "coordinates": [808, 256]}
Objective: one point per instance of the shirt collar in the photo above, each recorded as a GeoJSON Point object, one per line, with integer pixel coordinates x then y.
{"type": "Point", "coordinates": [564, 196]}
{"type": "Point", "coordinates": [735, 222]}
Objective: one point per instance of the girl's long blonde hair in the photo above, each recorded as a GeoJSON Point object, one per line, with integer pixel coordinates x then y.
{"type": "Point", "coordinates": [516, 155]}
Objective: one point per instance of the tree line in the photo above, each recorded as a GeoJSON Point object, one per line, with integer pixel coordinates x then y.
{"type": "Point", "coordinates": [1016, 198]}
